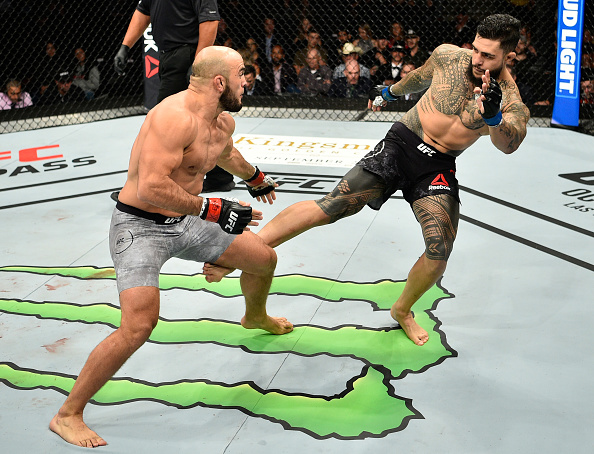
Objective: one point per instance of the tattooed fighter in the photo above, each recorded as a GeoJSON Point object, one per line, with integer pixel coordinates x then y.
{"type": "Point", "coordinates": [470, 94]}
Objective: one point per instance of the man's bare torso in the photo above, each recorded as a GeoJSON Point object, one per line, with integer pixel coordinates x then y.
{"type": "Point", "coordinates": [189, 155]}
{"type": "Point", "coordinates": [447, 116]}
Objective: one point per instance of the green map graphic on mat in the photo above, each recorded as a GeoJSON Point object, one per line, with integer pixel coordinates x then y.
{"type": "Point", "coordinates": [387, 354]}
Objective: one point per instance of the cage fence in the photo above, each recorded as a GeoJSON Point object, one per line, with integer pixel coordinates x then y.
{"type": "Point", "coordinates": [57, 43]}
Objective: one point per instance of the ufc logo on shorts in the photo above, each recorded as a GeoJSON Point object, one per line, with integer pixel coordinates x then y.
{"type": "Point", "coordinates": [425, 149]}
{"type": "Point", "coordinates": [171, 220]}
{"type": "Point", "coordinates": [232, 219]}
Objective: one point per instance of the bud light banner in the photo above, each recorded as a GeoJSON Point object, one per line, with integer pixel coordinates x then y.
{"type": "Point", "coordinates": [570, 26]}
{"type": "Point", "coordinates": [151, 69]}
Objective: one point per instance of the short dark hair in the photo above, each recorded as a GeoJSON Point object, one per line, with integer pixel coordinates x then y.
{"type": "Point", "coordinates": [500, 27]}
{"type": "Point", "coordinates": [249, 69]}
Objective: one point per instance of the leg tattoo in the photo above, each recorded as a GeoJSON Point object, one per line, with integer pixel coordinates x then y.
{"type": "Point", "coordinates": [438, 216]}
{"type": "Point", "coordinates": [353, 192]}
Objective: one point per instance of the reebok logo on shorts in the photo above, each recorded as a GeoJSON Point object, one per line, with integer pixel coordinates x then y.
{"type": "Point", "coordinates": [439, 182]}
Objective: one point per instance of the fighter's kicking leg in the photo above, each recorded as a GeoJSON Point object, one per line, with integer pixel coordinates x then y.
{"type": "Point", "coordinates": [140, 313]}
{"type": "Point", "coordinates": [438, 216]}
{"type": "Point", "coordinates": [351, 194]}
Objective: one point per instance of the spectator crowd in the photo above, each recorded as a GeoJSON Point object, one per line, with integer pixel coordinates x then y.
{"type": "Point", "coordinates": [315, 54]}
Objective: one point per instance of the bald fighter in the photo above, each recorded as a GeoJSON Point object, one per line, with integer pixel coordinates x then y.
{"type": "Point", "coordinates": [159, 215]}
{"type": "Point", "coordinates": [470, 94]}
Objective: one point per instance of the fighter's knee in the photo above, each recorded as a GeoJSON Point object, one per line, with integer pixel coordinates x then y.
{"type": "Point", "coordinates": [351, 194]}
{"type": "Point", "coordinates": [138, 332]}
{"type": "Point", "coordinates": [439, 250]}
{"type": "Point", "coordinates": [138, 335]}
{"type": "Point", "coordinates": [272, 259]}
{"type": "Point", "coordinates": [266, 263]}
{"type": "Point", "coordinates": [336, 207]}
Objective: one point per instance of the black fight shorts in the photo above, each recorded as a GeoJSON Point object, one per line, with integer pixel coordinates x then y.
{"type": "Point", "coordinates": [403, 161]}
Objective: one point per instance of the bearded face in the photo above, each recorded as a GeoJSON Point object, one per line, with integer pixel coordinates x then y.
{"type": "Point", "coordinates": [229, 101]}
{"type": "Point", "coordinates": [478, 81]}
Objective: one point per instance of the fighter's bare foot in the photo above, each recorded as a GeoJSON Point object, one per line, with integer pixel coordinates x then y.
{"type": "Point", "coordinates": [412, 329]}
{"type": "Point", "coordinates": [274, 325]}
{"type": "Point", "coordinates": [73, 430]}
{"type": "Point", "coordinates": [214, 273]}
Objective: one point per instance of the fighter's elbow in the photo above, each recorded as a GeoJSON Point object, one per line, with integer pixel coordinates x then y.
{"type": "Point", "coordinates": [510, 147]}
{"type": "Point", "coordinates": [146, 190]}
{"type": "Point", "coordinates": [143, 194]}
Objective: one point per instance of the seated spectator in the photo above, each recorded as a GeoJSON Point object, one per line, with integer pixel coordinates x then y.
{"type": "Point", "coordinates": [352, 84]}
{"type": "Point", "coordinates": [223, 36]}
{"type": "Point", "coordinates": [587, 57]}
{"type": "Point", "coordinates": [365, 40]}
{"type": "Point", "coordinates": [407, 68]}
{"type": "Point", "coordinates": [279, 76]}
{"type": "Point", "coordinates": [63, 91]}
{"type": "Point", "coordinates": [270, 38]}
{"type": "Point", "coordinates": [314, 41]}
{"type": "Point", "coordinates": [396, 35]}
{"type": "Point", "coordinates": [14, 98]}
{"type": "Point", "coordinates": [300, 40]}
{"type": "Point", "coordinates": [251, 55]}
{"type": "Point", "coordinates": [524, 89]}
{"type": "Point", "coordinates": [415, 53]}
{"type": "Point", "coordinates": [588, 37]}
{"type": "Point", "coordinates": [85, 74]}
{"type": "Point", "coordinates": [526, 37]}
{"type": "Point", "coordinates": [50, 64]}
{"type": "Point", "coordinates": [252, 46]}
{"type": "Point", "coordinates": [389, 73]}
{"type": "Point", "coordinates": [255, 86]}
{"type": "Point", "coordinates": [338, 41]}
{"type": "Point", "coordinates": [587, 89]}
{"type": "Point", "coordinates": [315, 78]}
{"type": "Point", "coordinates": [378, 56]}
{"type": "Point", "coordinates": [350, 52]}
{"type": "Point", "coordinates": [524, 63]}
{"type": "Point", "coordinates": [462, 30]}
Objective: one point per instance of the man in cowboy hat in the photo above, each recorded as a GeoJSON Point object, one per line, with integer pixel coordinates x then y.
{"type": "Point", "coordinates": [350, 52]}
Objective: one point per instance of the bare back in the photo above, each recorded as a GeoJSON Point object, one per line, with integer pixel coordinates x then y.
{"type": "Point", "coordinates": [447, 115]}
{"type": "Point", "coordinates": [177, 143]}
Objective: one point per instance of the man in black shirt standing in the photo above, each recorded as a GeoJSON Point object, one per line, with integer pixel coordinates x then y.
{"type": "Point", "coordinates": [180, 29]}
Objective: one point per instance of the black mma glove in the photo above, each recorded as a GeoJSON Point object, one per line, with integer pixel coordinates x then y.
{"type": "Point", "coordinates": [259, 184]}
{"type": "Point", "coordinates": [120, 60]}
{"type": "Point", "coordinates": [228, 213]}
{"type": "Point", "coordinates": [381, 93]}
{"type": "Point", "coordinates": [492, 104]}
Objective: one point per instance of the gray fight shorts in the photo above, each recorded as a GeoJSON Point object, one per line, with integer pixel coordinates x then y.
{"type": "Point", "coordinates": [141, 242]}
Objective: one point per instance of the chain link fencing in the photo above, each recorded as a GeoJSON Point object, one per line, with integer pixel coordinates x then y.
{"type": "Point", "coordinates": [49, 45]}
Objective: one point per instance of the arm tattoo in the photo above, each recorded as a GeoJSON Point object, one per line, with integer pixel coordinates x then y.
{"type": "Point", "coordinates": [515, 114]}
{"type": "Point", "coordinates": [417, 80]}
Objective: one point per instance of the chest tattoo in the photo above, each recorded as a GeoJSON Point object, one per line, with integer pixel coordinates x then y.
{"type": "Point", "coordinates": [452, 94]}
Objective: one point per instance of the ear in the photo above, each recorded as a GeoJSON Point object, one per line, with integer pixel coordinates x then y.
{"type": "Point", "coordinates": [219, 83]}
{"type": "Point", "coordinates": [510, 57]}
